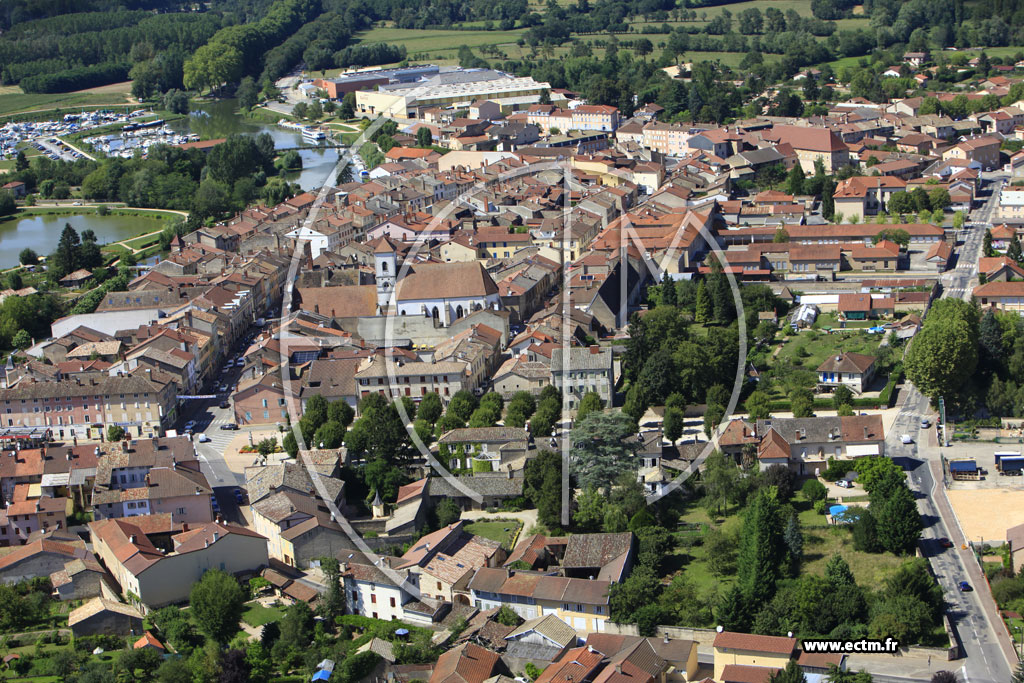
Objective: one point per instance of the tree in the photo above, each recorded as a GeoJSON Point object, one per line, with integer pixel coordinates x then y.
{"type": "Point", "coordinates": [783, 479]}
{"type": "Point", "coordinates": [589, 513]}
{"type": "Point", "coordinates": [842, 396]}
{"type": "Point", "coordinates": [424, 138]}
{"type": "Point", "coordinates": [341, 412]}
{"type": "Point", "coordinates": [733, 611]}
{"type": "Point", "coordinates": [667, 290]}
{"type": "Point", "coordinates": [7, 203]}
{"type": "Point", "coordinates": [333, 603]}
{"type": "Point", "coordinates": [802, 402]}
{"type": "Point", "coordinates": [781, 236]}
{"type": "Point", "coordinates": [1014, 250]}
{"type": "Point", "coordinates": [794, 540]}
{"type": "Point", "coordinates": [115, 433]}
{"type": "Point", "coordinates": [758, 405]}
{"type": "Point", "coordinates": [590, 403]}
{"type": "Point", "coordinates": [297, 625]}
{"type": "Point", "coordinates": [329, 435]}
{"type": "Point", "coordinates": [212, 65]}
{"type": "Point", "coordinates": [615, 520]}
{"type": "Point", "coordinates": [216, 602]}
{"type": "Point", "coordinates": [625, 599]}
{"type": "Point", "coordinates": [247, 93]}
{"type": "Point", "coordinates": [21, 340]}
{"type": "Point", "coordinates": [506, 616]}
{"type": "Point", "coordinates": [945, 677]}
{"type": "Point", "coordinates": [837, 572]}
{"type": "Point", "coordinates": [814, 490]}
{"type": "Point", "coordinates": [28, 257]}
{"type": "Point", "coordinates": [430, 408]}
{"type": "Point", "coordinates": [673, 424]}
{"type": "Point", "coordinates": [704, 311]}
{"type": "Point", "coordinates": [448, 512]}
{"type": "Point", "coordinates": [601, 448]}
{"type": "Point", "coordinates": [542, 485]}
{"type": "Point", "coordinates": [791, 674]}
{"type": "Point", "coordinates": [944, 354]}
{"type": "Point", "coordinates": [721, 480]}
{"type": "Point", "coordinates": [795, 179]}
{"type": "Point", "coordinates": [1018, 674]}
{"type": "Point", "coordinates": [757, 564]}
{"type": "Point", "coordinates": [899, 522]}
{"type": "Point", "coordinates": [65, 259]}
{"type": "Point", "coordinates": [174, 671]}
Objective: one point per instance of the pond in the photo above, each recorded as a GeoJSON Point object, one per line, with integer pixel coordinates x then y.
{"type": "Point", "coordinates": [221, 119]}
{"type": "Point", "coordinates": [41, 232]}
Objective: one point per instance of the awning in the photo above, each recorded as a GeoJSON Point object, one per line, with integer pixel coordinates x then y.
{"type": "Point", "coordinates": [862, 450]}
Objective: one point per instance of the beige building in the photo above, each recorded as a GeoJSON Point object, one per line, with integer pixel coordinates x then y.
{"type": "Point", "coordinates": [746, 649]}
{"type": "Point", "coordinates": [154, 578]}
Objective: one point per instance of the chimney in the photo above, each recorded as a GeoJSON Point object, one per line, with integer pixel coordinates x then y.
{"type": "Point", "coordinates": [618, 668]}
{"type": "Point", "coordinates": [595, 349]}
{"type": "Point", "coordinates": [197, 490]}
{"type": "Point", "coordinates": [131, 539]}
{"type": "Point", "coordinates": [206, 543]}
{"type": "Point", "coordinates": [865, 431]}
{"type": "Point", "coordinates": [216, 536]}
{"type": "Point", "coordinates": [184, 527]}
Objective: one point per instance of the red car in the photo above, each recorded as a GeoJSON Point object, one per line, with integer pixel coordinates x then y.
{"type": "Point", "coordinates": [945, 542]}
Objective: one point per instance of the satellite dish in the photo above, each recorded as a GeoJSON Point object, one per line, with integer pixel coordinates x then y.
{"type": "Point", "coordinates": [719, 629]}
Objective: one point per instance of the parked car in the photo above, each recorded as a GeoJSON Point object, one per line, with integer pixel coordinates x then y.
{"type": "Point", "coordinates": [925, 423]}
{"type": "Point", "coordinates": [844, 484]}
{"type": "Point", "coordinates": [202, 438]}
{"type": "Point", "coordinates": [945, 542]}
{"type": "Point", "coordinates": [229, 426]}
{"type": "Point", "coordinates": [223, 388]}
{"type": "Point", "coordinates": [239, 496]}
{"type": "Point", "coordinates": [906, 439]}
{"type": "Point", "coordinates": [190, 425]}
{"type": "Point", "coordinates": [965, 587]}
{"type": "Point", "coordinates": [224, 405]}
{"type": "Point", "coordinates": [214, 504]}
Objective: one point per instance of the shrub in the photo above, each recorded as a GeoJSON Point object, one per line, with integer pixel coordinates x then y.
{"type": "Point", "coordinates": [820, 506]}
{"type": "Point", "coordinates": [814, 490]}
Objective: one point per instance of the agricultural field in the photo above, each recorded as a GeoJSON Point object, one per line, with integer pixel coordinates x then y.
{"type": "Point", "coordinates": [13, 101]}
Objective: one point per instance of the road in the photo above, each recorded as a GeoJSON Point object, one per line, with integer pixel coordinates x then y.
{"type": "Point", "coordinates": [986, 647]}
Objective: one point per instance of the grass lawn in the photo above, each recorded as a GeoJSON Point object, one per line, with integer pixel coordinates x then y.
{"type": "Point", "coordinates": [502, 532]}
{"type": "Point", "coordinates": [256, 614]}
{"type": "Point", "coordinates": [817, 346]}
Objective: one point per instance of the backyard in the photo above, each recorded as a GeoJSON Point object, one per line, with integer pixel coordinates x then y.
{"type": "Point", "coordinates": [257, 615]}
{"type": "Point", "coordinates": [503, 531]}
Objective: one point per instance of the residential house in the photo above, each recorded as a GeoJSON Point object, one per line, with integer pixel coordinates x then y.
{"type": "Point", "coordinates": [852, 370]}
{"type": "Point", "coordinates": [446, 559]}
{"type": "Point", "coordinates": [749, 650]}
{"type": "Point", "coordinates": [605, 557]}
{"type": "Point", "coordinates": [466, 663]}
{"type": "Point", "coordinates": [1004, 296]}
{"type": "Point", "coordinates": [156, 577]}
{"type": "Point", "coordinates": [581, 603]}
{"type": "Point", "coordinates": [485, 448]}
{"type": "Point", "coordinates": [590, 370]}
{"type": "Point", "coordinates": [101, 616]}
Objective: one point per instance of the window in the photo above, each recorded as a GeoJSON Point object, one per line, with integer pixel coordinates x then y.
{"type": "Point", "coordinates": [392, 602]}
{"type": "Point", "coordinates": [373, 598]}
{"type": "Point", "coordinates": [438, 585]}
{"type": "Point", "coordinates": [355, 596]}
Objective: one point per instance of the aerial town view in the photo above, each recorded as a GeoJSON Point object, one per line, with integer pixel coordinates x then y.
{"type": "Point", "coordinates": [522, 341]}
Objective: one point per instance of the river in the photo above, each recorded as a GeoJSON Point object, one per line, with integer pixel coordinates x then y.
{"type": "Point", "coordinates": [221, 119]}
{"type": "Point", "coordinates": [41, 232]}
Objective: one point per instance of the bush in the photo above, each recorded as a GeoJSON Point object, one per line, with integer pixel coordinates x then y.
{"type": "Point", "coordinates": [1007, 590]}
{"type": "Point", "coordinates": [820, 506]}
{"type": "Point", "coordinates": [814, 490]}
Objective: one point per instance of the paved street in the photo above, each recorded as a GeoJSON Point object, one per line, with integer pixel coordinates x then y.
{"type": "Point", "coordinates": [987, 648]}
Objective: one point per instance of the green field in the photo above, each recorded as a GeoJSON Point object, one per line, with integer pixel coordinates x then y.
{"type": "Point", "coordinates": [431, 42]}
{"type": "Point", "coordinates": [20, 102]}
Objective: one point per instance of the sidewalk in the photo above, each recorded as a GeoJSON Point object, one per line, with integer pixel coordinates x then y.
{"type": "Point", "coordinates": [974, 572]}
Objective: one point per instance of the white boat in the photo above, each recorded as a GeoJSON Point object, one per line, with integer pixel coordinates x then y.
{"type": "Point", "coordinates": [312, 135]}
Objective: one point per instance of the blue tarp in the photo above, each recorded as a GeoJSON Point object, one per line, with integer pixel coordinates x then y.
{"type": "Point", "coordinates": [963, 466]}
{"type": "Point", "coordinates": [322, 675]}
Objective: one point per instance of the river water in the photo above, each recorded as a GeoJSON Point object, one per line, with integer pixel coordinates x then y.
{"type": "Point", "coordinates": [221, 119]}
